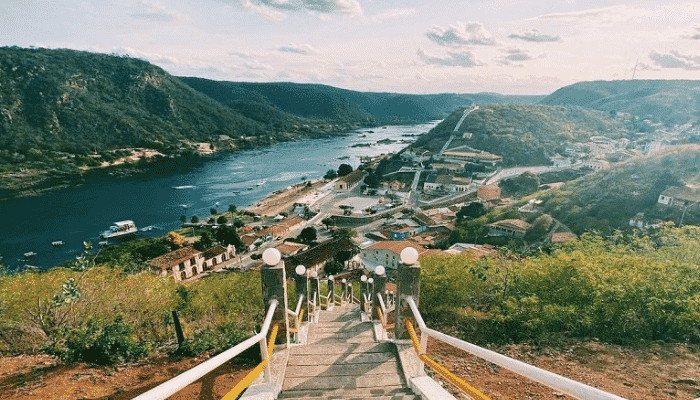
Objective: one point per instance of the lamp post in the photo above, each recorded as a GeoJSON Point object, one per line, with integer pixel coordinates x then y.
{"type": "Point", "coordinates": [409, 286]}
{"type": "Point", "coordinates": [379, 280]}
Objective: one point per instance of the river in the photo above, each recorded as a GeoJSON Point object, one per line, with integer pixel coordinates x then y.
{"type": "Point", "coordinates": [156, 201]}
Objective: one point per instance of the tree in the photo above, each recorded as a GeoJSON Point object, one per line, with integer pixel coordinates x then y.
{"type": "Point", "coordinates": [333, 267]}
{"type": "Point", "coordinates": [222, 220]}
{"type": "Point", "coordinates": [194, 219]}
{"type": "Point", "coordinates": [344, 232]}
{"type": "Point", "coordinates": [308, 235]}
{"type": "Point", "coordinates": [330, 174]}
{"type": "Point", "coordinates": [183, 218]}
{"type": "Point", "coordinates": [232, 209]}
{"type": "Point", "coordinates": [213, 211]}
{"type": "Point", "coordinates": [227, 235]}
{"type": "Point", "coordinates": [238, 223]}
{"type": "Point", "coordinates": [471, 210]}
{"type": "Point", "coordinates": [174, 240]}
{"type": "Point", "coordinates": [205, 241]}
{"type": "Point", "coordinates": [327, 222]}
{"type": "Point", "coordinates": [372, 180]}
{"type": "Point", "coordinates": [344, 169]}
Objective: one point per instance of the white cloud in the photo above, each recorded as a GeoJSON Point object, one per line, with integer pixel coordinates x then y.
{"type": "Point", "coordinates": [150, 57]}
{"type": "Point", "coordinates": [263, 10]}
{"type": "Point", "coordinates": [694, 33]}
{"type": "Point", "coordinates": [465, 59]}
{"type": "Point", "coordinates": [600, 16]}
{"type": "Point", "coordinates": [534, 36]}
{"type": "Point", "coordinates": [389, 15]}
{"type": "Point", "coordinates": [303, 49]}
{"type": "Point", "coordinates": [471, 33]}
{"type": "Point", "coordinates": [275, 8]}
{"type": "Point", "coordinates": [674, 59]}
{"type": "Point", "coordinates": [154, 11]}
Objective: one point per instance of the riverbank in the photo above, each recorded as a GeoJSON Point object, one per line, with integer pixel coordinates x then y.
{"type": "Point", "coordinates": [284, 200]}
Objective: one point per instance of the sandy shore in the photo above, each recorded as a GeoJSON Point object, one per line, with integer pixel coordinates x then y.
{"type": "Point", "coordinates": [283, 200]}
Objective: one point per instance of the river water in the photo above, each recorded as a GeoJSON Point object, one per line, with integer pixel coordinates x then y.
{"type": "Point", "coordinates": [156, 201]}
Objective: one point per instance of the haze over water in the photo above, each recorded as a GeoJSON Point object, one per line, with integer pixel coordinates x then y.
{"type": "Point", "coordinates": [156, 200]}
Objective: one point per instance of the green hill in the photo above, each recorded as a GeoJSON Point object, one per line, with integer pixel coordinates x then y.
{"type": "Point", "coordinates": [608, 199]}
{"type": "Point", "coordinates": [671, 102]}
{"type": "Point", "coordinates": [331, 103]}
{"type": "Point", "coordinates": [524, 134]}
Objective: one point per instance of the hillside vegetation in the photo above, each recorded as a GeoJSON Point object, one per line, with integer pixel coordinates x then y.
{"type": "Point", "coordinates": [671, 102]}
{"type": "Point", "coordinates": [619, 288]}
{"type": "Point", "coordinates": [607, 199]}
{"type": "Point", "coordinates": [327, 102]}
{"type": "Point", "coordinates": [524, 134]}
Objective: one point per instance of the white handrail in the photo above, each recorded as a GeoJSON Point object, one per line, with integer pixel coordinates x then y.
{"type": "Point", "coordinates": [552, 380]}
{"type": "Point", "coordinates": [168, 388]}
{"type": "Point", "coordinates": [381, 305]}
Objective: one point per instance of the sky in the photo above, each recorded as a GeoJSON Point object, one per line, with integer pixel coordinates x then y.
{"type": "Point", "coordinates": [409, 46]}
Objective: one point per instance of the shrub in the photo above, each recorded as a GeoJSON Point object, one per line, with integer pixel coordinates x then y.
{"type": "Point", "coordinates": [103, 345]}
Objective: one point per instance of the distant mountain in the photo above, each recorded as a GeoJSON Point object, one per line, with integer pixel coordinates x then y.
{"type": "Point", "coordinates": [523, 134]}
{"type": "Point", "coordinates": [671, 102]}
{"type": "Point", "coordinates": [608, 199]}
{"type": "Point", "coordinates": [327, 102]}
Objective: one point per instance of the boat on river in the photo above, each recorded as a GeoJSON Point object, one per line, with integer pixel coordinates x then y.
{"type": "Point", "coordinates": [121, 229]}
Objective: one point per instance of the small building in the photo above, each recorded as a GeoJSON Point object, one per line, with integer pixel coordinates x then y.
{"type": "Point", "coordinates": [315, 258]}
{"type": "Point", "coordinates": [562, 237]}
{"type": "Point", "coordinates": [488, 193]}
{"type": "Point", "coordinates": [188, 262]}
{"type": "Point", "coordinates": [393, 185]}
{"type": "Point", "coordinates": [486, 159]}
{"type": "Point", "coordinates": [446, 183]}
{"type": "Point", "coordinates": [290, 248]}
{"type": "Point", "coordinates": [451, 167]}
{"type": "Point", "coordinates": [679, 196]}
{"type": "Point", "coordinates": [509, 227]}
{"type": "Point", "coordinates": [386, 253]}
{"type": "Point", "coordinates": [347, 182]}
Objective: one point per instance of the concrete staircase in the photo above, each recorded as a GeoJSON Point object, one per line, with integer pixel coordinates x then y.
{"type": "Point", "coordinates": [341, 360]}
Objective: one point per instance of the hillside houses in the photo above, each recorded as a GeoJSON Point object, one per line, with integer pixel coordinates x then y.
{"type": "Point", "coordinates": [442, 183]}
{"type": "Point", "coordinates": [188, 262]}
{"type": "Point", "coordinates": [679, 196]}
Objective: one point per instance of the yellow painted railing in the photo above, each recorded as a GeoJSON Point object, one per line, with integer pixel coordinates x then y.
{"type": "Point", "coordinates": [449, 376]}
{"type": "Point", "coordinates": [298, 321]}
{"type": "Point", "coordinates": [245, 382]}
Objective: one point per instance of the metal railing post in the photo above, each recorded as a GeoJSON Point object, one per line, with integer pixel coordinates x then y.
{"type": "Point", "coordinates": [301, 282]}
{"type": "Point", "coordinates": [331, 293]}
{"type": "Point", "coordinates": [379, 280]}
{"type": "Point", "coordinates": [274, 278]}
{"type": "Point", "coordinates": [409, 286]}
{"type": "Point", "coordinates": [316, 298]}
{"type": "Point", "coordinates": [343, 292]}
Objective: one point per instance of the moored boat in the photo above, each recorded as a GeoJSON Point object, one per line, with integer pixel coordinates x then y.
{"type": "Point", "coordinates": [119, 230]}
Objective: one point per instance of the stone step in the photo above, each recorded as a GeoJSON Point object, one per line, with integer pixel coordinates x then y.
{"type": "Point", "coordinates": [342, 382]}
{"type": "Point", "coordinates": [344, 349]}
{"type": "Point", "coordinates": [358, 358]}
{"type": "Point", "coordinates": [340, 326]}
{"type": "Point", "coordinates": [320, 371]}
{"type": "Point", "coordinates": [347, 337]}
{"type": "Point", "coordinates": [374, 393]}
{"type": "Point", "coordinates": [399, 396]}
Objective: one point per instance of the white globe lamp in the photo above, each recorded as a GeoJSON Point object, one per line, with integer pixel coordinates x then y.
{"type": "Point", "coordinates": [370, 280]}
{"type": "Point", "coordinates": [363, 278]}
{"type": "Point", "coordinates": [379, 270]}
{"type": "Point", "coordinates": [344, 281]}
{"type": "Point", "coordinates": [409, 255]}
{"type": "Point", "coordinates": [330, 277]}
{"type": "Point", "coordinates": [271, 256]}
{"type": "Point", "coordinates": [300, 270]}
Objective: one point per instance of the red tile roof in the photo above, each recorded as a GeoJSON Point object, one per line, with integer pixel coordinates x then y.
{"type": "Point", "coordinates": [174, 257]}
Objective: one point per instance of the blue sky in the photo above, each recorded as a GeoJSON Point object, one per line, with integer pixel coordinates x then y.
{"type": "Point", "coordinates": [411, 46]}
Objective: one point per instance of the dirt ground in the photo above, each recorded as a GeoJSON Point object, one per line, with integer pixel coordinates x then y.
{"type": "Point", "coordinates": [44, 377]}
{"type": "Point", "coordinates": [284, 200]}
{"type": "Point", "coordinates": [642, 372]}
